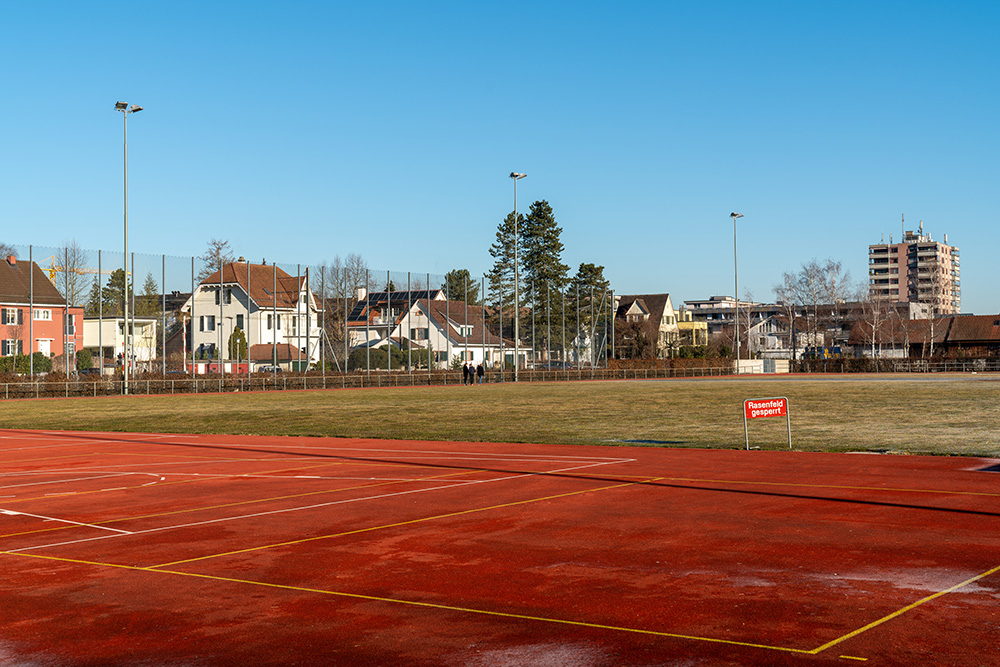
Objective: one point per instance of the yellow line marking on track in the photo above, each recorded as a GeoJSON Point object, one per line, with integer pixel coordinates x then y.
{"type": "Point", "coordinates": [905, 609]}
{"type": "Point", "coordinates": [815, 651]}
{"type": "Point", "coordinates": [400, 523]}
{"type": "Point", "coordinates": [851, 657]}
{"type": "Point", "coordinates": [430, 605]}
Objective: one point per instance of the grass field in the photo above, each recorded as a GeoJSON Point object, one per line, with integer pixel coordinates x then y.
{"type": "Point", "coordinates": [955, 415]}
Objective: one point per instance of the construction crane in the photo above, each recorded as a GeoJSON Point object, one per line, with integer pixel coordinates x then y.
{"type": "Point", "coordinates": [54, 268]}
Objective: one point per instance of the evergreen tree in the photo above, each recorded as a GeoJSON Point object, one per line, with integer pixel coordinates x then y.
{"type": "Point", "coordinates": [541, 248]}
{"type": "Point", "coordinates": [588, 302]}
{"type": "Point", "coordinates": [237, 344]}
{"type": "Point", "coordinates": [459, 286]}
{"type": "Point", "coordinates": [148, 303]}
{"type": "Point", "coordinates": [543, 271]}
{"type": "Point", "coordinates": [501, 276]}
{"type": "Point", "coordinates": [94, 298]}
{"type": "Point", "coordinates": [115, 292]}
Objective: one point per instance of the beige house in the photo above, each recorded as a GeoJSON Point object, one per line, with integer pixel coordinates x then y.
{"type": "Point", "coordinates": [656, 311]}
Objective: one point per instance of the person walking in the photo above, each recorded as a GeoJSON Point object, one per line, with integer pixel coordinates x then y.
{"type": "Point", "coordinates": [465, 373]}
{"type": "Point", "coordinates": [480, 372]}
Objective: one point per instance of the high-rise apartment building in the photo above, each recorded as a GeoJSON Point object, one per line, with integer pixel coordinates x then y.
{"type": "Point", "coordinates": [918, 270]}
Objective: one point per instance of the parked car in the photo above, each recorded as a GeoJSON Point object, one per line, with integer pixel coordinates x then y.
{"type": "Point", "coordinates": [269, 368]}
{"type": "Point", "coordinates": [555, 366]}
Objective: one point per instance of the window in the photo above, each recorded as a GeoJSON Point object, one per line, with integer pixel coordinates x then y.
{"type": "Point", "coordinates": [465, 330]}
{"type": "Point", "coordinates": [419, 333]}
{"type": "Point", "coordinates": [44, 315]}
{"type": "Point", "coordinates": [217, 297]}
{"type": "Point", "coordinates": [11, 347]}
{"type": "Point", "coordinates": [270, 322]}
{"type": "Point", "coordinates": [207, 323]}
{"type": "Point", "coordinates": [239, 322]}
{"type": "Point", "coordinates": [13, 316]}
{"type": "Point", "coordinates": [229, 295]}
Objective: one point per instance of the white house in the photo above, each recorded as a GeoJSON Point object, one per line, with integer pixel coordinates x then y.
{"type": "Point", "coordinates": [451, 329]}
{"type": "Point", "coordinates": [376, 315]}
{"type": "Point", "coordinates": [107, 335]}
{"type": "Point", "coordinates": [270, 306]}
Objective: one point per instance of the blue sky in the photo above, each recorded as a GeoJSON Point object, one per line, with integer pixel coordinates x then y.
{"type": "Point", "coordinates": [301, 131]}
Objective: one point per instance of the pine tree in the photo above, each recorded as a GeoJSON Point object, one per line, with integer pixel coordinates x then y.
{"type": "Point", "coordinates": [148, 302]}
{"type": "Point", "coordinates": [115, 292]}
{"type": "Point", "coordinates": [501, 276]}
{"type": "Point", "coordinates": [94, 298]}
{"type": "Point", "coordinates": [588, 302]}
{"type": "Point", "coordinates": [544, 272]}
{"type": "Point", "coordinates": [459, 286]}
{"type": "Point", "coordinates": [542, 248]}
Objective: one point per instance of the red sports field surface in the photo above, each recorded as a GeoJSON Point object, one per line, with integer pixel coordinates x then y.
{"type": "Point", "coordinates": [132, 549]}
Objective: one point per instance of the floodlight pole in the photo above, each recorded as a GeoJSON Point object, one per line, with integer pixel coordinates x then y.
{"type": "Point", "coordinates": [736, 287]}
{"type": "Point", "coordinates": [125, 110]}
{"type": "Point", "coordinates": [517, 314]}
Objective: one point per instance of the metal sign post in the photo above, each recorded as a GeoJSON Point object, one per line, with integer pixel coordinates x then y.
{"type": "Point", "coordinates": [756, 408]}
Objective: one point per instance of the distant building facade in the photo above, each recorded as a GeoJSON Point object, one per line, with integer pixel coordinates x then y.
{"type": "Point", "coordinates": [918, 270]}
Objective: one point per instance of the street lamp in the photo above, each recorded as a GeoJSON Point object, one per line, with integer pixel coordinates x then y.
{"type": "Point", "coordinates": [125, 109]}
{"type": "Point", "coordinates": [517, 308]}
{"type": "Point", "coordinates": [736, 287]}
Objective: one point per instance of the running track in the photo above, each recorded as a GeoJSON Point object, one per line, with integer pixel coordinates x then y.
{"type": "Point", "coordinates": [150, 549]}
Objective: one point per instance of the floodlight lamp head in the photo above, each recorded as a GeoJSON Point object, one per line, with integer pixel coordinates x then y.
{"type": "Point", "coordinates": [135, 107]}
{"type": "Point", "coordinates": [735, 215]}
{"type": "Point", "coordinates": [121, 106]}
{"type": "Point", "coordinates": [516, 176]}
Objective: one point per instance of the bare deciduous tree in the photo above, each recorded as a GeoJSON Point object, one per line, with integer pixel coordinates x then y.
{"type": "Point", "coordinates": [817, 284]}
{"type": "Point", "coordinates": [74, 283]}
{"type": "Point", "coordinates": [790, 294]}
{"type": "Point", "coordinates": [217, 253]}
{"type": "Point", "coordinates": [875, 313]}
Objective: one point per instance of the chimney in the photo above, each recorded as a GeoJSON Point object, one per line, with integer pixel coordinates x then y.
{"type": "Point", "coordinates": [362, 293]}
{"type": "Point", "coordinates": [12, 260]}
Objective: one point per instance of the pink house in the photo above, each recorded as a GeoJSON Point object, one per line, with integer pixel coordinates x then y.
{"type": "Point", "coordinates": [51, 328]}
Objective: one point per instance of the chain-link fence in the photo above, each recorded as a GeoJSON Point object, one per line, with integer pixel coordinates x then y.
{"type": "Point", "coordinates": [90, 316]}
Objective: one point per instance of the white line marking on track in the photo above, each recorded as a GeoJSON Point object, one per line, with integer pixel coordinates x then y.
{"type": "Point", "coordinates": [75, 523]}
{"type": "Point", "coordinates": [316, 506]}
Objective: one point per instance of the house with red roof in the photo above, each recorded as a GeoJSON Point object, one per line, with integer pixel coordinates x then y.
{"type": "Point", "coordinates": [426, 320]}
{"type": "Point", "coordinates": [276, 311]}
{"type": "Point", "coordinates": [34, 316]}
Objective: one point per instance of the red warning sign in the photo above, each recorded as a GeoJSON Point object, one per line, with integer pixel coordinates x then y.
{"type": "Point", "coordinates": [755, 408]}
